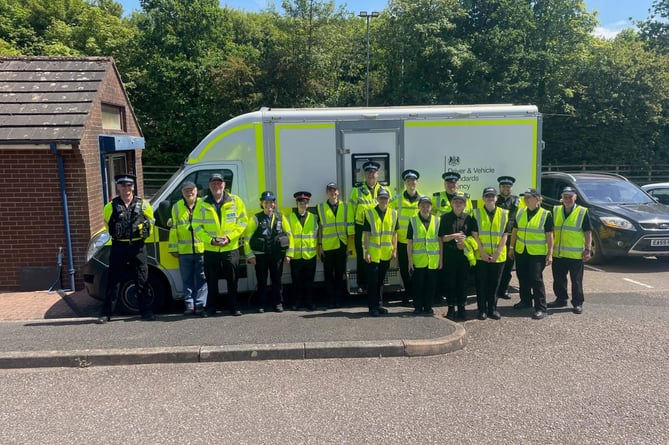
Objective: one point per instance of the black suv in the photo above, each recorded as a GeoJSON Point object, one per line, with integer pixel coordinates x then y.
{"type": "Point", "coordinates": [625, 220]}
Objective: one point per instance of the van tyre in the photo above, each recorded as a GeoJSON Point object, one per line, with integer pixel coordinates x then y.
{"type": "Point", "coordinates": [127, 300]}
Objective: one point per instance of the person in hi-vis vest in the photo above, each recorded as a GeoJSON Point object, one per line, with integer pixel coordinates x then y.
{"type": "Point", "coordinates": [572, 247]}
{"type": "Point", "coordinates": [493, 231]}
{"type": "Point", "coordinates": [189, 250]}
{"type": "Point", "coordinates": [424, 249]}
{"type": "Point", "coordinates": [379, 246]}
{"type": "Point", "coordinates": [336, 231]}
{"type": "Point", "coordinates": [532, 248]}
{"type": "Point", "coordinates": [406, 205]}
{"type": "Point", "coordinates": [304, 229]}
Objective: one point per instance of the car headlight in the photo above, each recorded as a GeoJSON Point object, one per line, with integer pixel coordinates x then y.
{"type": "Point", "coordinates": [616, 222]}
{"type": "Point", "coordinates": [96, 243]}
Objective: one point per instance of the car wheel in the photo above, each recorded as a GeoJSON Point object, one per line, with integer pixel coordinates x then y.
{"type": "Point", "coordinates": [127, 301]}
{"type": "Point", "coordinates": [598, 256]}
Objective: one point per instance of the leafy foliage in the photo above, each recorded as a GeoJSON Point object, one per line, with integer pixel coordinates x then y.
{"type": "Point", "coordinates": [189, 65]}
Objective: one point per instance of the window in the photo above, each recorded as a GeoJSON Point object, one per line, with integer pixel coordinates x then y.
{"type": "Point", "coordinates": [201, 179]}
{"type": "Point", "coordinates": [113, 118]}
{"type": "Point", "coordinates": [357, 161]}
{"type": "Point", "coordinates": [117, 164]}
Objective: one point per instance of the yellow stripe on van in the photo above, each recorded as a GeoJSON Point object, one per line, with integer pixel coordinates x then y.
{"type": "Point", "coordinates": [260, 156]}
{"type": "Point", "coordinates": [227, 133]}
{"type": "Point", "coordinates": [277, 143]}
{"type": "Point", "coordinates": [460, 123]}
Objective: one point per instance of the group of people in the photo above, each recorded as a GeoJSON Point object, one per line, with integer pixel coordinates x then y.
{"type": "Point", "coordinates": [436, 241]}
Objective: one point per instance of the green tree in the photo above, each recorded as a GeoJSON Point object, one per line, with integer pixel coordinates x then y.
{"type": "Point", "coordinates": [422, 50]}
{"type": "Point", "coordinates": [619, 107]}
{"type": "Point", "coordinates": [177, 51]}
{"type": "Point", "coordinates": [655, 29]}
{"type": "Point", "coordinates": [303, 60]}
{"type": "Point", "coordinates": [64, 27]}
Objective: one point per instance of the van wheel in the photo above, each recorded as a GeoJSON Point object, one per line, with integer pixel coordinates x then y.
{"type": "Point", "coordinates": [127, 301]}
{"type": "Point", "coordinates": [597, 255]}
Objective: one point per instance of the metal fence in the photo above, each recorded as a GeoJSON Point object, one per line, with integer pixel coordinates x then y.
{"type": "Point", "coordinates": [156, 175]}
{"type": "Point", "coordinates": [636, 174]}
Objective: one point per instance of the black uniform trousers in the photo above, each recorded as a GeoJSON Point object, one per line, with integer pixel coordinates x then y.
{"type": "Point", "coordinates": [455, 276]}
{"type": "Point", "coordinates": [269, 264]}
{"type": "Point", "coordinates": [530, 270]}
{"type": "Point", "coordinates": [424, 282]}
{"type": "Point", "coordinates": [487, 282]}
{"type": "Point", "coordinates": [376, 274]}
{"type": "Point", "coordinates": [221, 265]}
{"type": "Point", "coordinates": [360, 263]}
{"type": "Point", "coordinates": [302, 273]}
{"type": "Point", "coordinates": [124, 258]}
{"type": "Point", "coordinates": [334, 268]}
{"type": "Point", "coordinates": [573, 267]}
{"type": "Point", "coordinates": [403, 263]}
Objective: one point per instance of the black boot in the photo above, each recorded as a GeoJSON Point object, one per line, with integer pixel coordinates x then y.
{"type": "Point", "coordinates": [462, 314]}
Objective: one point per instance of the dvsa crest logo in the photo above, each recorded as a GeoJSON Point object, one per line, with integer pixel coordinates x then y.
{"type": "Point", "coordinates": [453, 161]}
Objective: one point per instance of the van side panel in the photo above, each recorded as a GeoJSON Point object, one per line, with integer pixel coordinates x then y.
{"type": "Point", "coordinates": [480, 150]}
{"type": "Point", "coordinates": [306, 159]}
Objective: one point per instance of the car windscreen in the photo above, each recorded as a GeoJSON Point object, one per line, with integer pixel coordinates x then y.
{"type": "Point", "coordinates": [611, 190]}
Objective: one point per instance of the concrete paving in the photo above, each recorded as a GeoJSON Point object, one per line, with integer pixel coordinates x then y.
{"type": "Point", "coordinates": [46, 329]}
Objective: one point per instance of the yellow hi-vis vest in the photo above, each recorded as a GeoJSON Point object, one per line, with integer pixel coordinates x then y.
{"type": "Point", "coordinates": [305, 237]}
{"type": "Point", "coordinates": [232, 224]}
{"type": "Point", "coordinates": [381, 235]}
{"type": "Point", "coordinates": [441, 204]}
{"type": "Point", "coordinates": [405, 210]}
{"type": "Point", "coordinates": [363, 199]}
{"type": "Point", "coordinates": [569, 236]}
{"type": "Point", "coordinates": [182, 234]}
{"type": "Point", "coordinates": [471, 247]}
{"type": "Point", "coordinates": [425, 242]}
{"type": "Point", "coordinates": [530, 234]}
{"type": "Point", "coordinates": [491, 231]}
{"type": "Point", "coordinates": [335, 229]}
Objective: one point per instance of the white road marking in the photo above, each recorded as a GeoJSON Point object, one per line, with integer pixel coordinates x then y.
{"type": "Point", "coordinates": [596, 269]}
{"type": "Point", "coordinates": [639, 283]}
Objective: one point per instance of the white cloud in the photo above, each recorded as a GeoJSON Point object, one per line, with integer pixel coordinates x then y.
{"type": "Point", "coordinates": [610, 30]}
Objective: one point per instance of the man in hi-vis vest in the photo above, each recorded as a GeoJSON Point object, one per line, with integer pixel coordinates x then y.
{"type": "Point", "coordinates": [406, 204]}
{"type": "Point", "coordinates": [189, 249]}
{"type": "Point", "coordinates": [220, 226]}
{"type": "Point", "coordinates": [573, 238]}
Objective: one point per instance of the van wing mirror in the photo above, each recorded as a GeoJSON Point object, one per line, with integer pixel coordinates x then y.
{"type": "Point", "coordinates": [163, 214]}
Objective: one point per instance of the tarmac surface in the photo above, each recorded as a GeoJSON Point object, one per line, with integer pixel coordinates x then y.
{"type": "Point", "coordinates": [47, 329]}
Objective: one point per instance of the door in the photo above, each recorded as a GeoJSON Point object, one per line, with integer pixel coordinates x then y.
{"type": "Point", "coordinates": [359, 142]}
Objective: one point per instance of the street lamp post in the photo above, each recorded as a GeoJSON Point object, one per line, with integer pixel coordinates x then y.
{"type": "Point", "coordinates": [368, 17]}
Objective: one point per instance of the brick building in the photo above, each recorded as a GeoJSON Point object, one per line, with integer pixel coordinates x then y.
{"type": "Point", "coordinates": [66, 128]}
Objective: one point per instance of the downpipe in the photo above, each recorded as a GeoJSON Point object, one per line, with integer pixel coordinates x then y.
{"type": "Point", "coordinates": [66, 213]}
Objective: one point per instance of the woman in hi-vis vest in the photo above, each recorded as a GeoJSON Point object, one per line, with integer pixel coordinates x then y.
{"type": "Point", "coordinates": [532, 248]}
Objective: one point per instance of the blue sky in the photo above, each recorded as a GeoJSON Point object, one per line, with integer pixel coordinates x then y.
{"type": "Point", "coordinates": [613, 14]}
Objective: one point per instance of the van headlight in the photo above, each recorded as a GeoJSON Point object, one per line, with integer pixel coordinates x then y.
{"type": "Point", "coordinates": [616, 222]}
{"type": "Point", "coordinates": [96, 243]}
